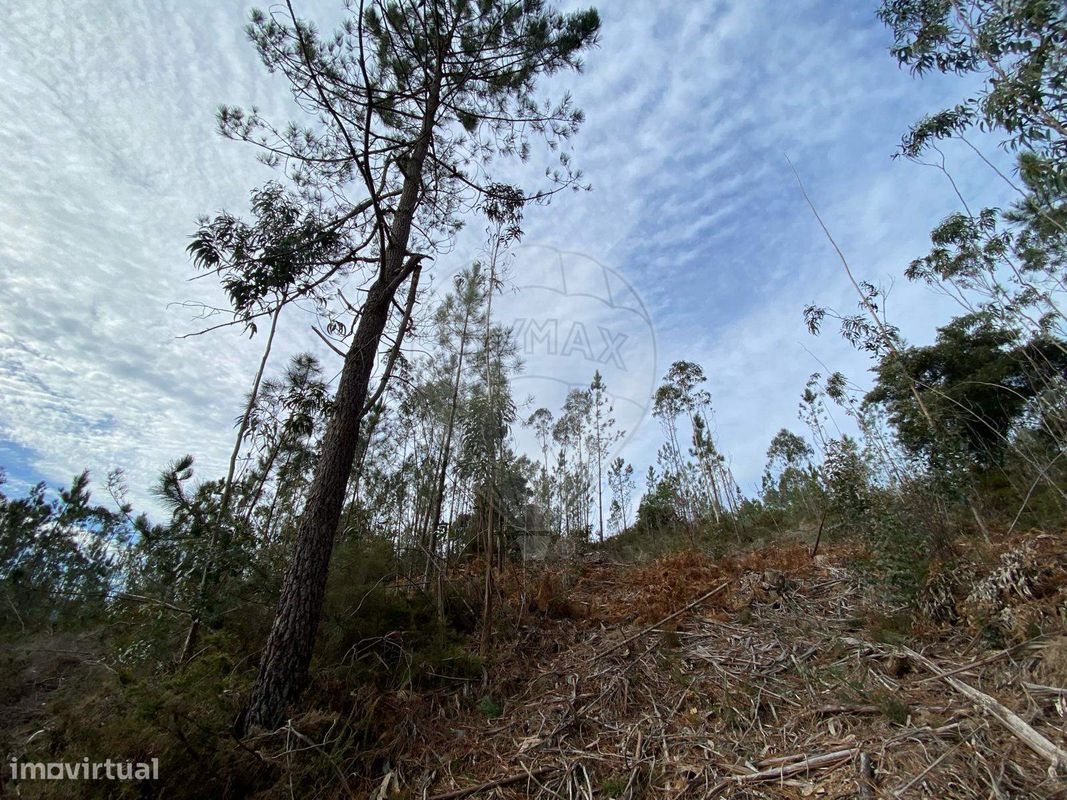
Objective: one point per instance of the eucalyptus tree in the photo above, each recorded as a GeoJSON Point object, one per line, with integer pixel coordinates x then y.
{"type": "Point", "coordinates": [621, 483]}
{"type": "Point", "coordinates": [1007, 266]}
{"type": "Point", "coordinates": [719, 483]}
{"type": "Point", "coordinates": [569, 433]}
{"type": "Point", "coordinates": [419, 399]}
{"type": "Point", "coordinates": [458, 317]}
{"type": "Point", "coordinates": [541, 420]}
{"type": "Point", "coordinates": [666, 406]}
{"type": "Point", "coordinates": [562, 437]}
{"type": "Point", "coordinates": [1010, 264]}
{"type": "Point", "coordinates": [601, 438]}
{"type": "Point", "coordinates": [491, 412]}
{"type": "Point", "coordinates": [382, 479]}
{"type": "Point", "coordinates": [813, 412]}
{"type": "Point", "coordinates": [1016, 48]}
{"type": "Point", "coordinates": [679, 394]}
{"type": "Point", "coordinates": [491, 406]}
{"type": "Point", "coordinates": [1016, 260]}
{"type": "Point", "coordinates": [405, 109]}
{"type": "Point", "coordinates": [790, 479]}
{"type": "Point", "coordinates": [370, 426]}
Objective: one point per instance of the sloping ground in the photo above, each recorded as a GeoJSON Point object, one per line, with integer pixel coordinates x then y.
{"type": "Point", "coordinates": [792, 680]}
{"type": "Point", "coordinates": [33, 674]}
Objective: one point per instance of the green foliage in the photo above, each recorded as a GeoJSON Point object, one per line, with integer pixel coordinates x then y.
{"type": "Point", "coordinates": [1015, 259]}
{"type": "Point", "coordinates": [599, 442]}
{"type": "Point", "coordinates": [285, 251]}
{"type": "Point", "coordinates": [375, 632]}
{"type": "Point", "coordinates": [705, 489]}
{"type": "Point", "coordinates": [135, 712]}
{"type": "Point", "coordinates": [893, 708]}
{"type": "Point", "coordinates": [790, 481]}
{"type": "Point", "coordinates": [900, 546]}
{"type": "Point", "coordinates": [142, 706]}
{"type": "Point", "coordinates": [61, 556]}
{"type": "Point", "coordinates": [1015, 46]}
{"type": "Point", "coordinates": [975, 420]}
{"type": "Point", "coordinates": [621, 483]}
{"type": "Point", "coordinates": [976, 381]}
{"type": "Point", "coordinates": [614, 785]}
{"type": "Point", "coordinates": [891, 629]}
{"type": "Point", "coordinates": [658, 508]}
{"type": "Point", "coordinates": [468, 70]}
{"type": "Point", "coordinates": [847, 481]}
{"type": "Point", "coordinates": [488, 706]}
{"type": "Point", "coordinates": [894, 522]}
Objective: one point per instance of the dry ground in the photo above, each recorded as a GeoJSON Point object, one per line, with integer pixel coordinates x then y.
{"type": "Point", "coordinates": [794, 680]}
{"type": "Point", "coordinates": [770, 674]}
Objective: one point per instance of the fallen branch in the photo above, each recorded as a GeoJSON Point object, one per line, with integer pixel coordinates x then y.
{"type": "Point", "coordinates": [983, 662]}
{"type": "Point", "coordinates": [1056, 755]}
{"type": "Point", "coordinates": [1038, 688]}
{"type": "Point", "coordinates": [329, 758]}
{"type": "Point", "coordinates": [576, 707]}
{"type": "Point", "coordinates": [865, 777]}
{"type": "Point", "coordinates": [928, 770]}
{"type": "Point", "coordinates": [494, 784]}
{"type": "Point", "coordinates": [785, 771]}
{"type": "Point", "coordinates": [847, 710]}
{"type": "Point", "coordinates": [655, 625]}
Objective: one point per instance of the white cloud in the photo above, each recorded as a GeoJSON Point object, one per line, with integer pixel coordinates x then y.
{"type": "Point", "coordinates": [107, 139]}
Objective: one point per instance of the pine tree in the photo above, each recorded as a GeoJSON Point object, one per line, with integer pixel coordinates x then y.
{"type": "Point", "coordinates": [408, 103]}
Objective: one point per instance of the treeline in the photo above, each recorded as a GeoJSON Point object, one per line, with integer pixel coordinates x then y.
{"type": "Point", "coordinates": [967, 431]}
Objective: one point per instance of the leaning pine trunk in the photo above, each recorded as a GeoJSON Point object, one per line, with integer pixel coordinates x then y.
{"type": "Point", "coordinates": [286, 659]}
{"type": "Point", "coordinates": [283, 668]}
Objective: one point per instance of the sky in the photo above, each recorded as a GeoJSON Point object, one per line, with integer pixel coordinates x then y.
{"type": "Point", "coordinates": [695, 242]}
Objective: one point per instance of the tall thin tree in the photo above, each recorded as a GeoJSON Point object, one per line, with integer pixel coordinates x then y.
{"type": "Point", "coordinates": [408, 104]}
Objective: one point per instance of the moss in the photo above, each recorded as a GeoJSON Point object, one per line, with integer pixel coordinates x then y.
{"type": "Point", "coordinates": [488, 706]}
{"type": "Point", "coordinates": [892, 708]}
{"type": "Point", "coordinates": [613, 785]}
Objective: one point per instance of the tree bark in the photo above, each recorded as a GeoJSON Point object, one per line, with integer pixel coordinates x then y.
{"type": "Point", "coordinates": [286, 658]}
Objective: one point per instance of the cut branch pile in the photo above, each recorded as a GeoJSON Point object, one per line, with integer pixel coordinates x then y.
{"type": "Point", "coordinates": [768, 675]}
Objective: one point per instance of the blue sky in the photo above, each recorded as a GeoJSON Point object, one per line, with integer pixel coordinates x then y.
{"type": "Point", "coordinates": [108, 152]}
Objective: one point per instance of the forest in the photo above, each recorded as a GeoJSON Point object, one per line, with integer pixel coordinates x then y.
{"type": "Point", "coordinates": [414, 579]}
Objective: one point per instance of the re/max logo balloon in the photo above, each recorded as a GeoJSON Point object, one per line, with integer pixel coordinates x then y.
{"type": "Point", "coordinates": [543, 336]}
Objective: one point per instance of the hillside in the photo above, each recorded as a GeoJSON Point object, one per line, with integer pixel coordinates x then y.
{"type": "Point", "coordinates": [349, 449]}
{"type": "Point", "coordinates": [764, 674]}
{"type": "Point", "coordinates": [790, 681]}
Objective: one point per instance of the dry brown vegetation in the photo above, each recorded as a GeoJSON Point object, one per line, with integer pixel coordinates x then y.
{"type": "Point", "coordinates": [795, 680]}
